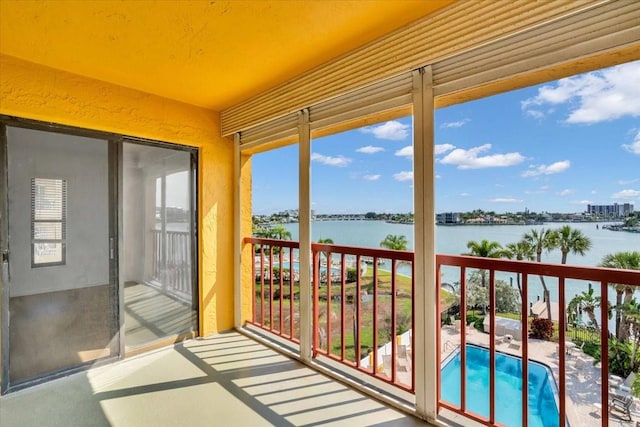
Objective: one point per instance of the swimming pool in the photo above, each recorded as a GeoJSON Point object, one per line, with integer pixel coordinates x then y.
{"type": "Point", "coordinates": [543, 410]}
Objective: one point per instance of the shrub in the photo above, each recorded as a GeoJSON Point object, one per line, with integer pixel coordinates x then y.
{"type": "Point", "coordinates": [352, 274]}
{"type": "Point", "coordinates": [479, 324]}
{"type": "Point", "coordinates": [471, 318]}
{"type": "Point", "coordinates": [635, 386]}
{"type": "Point", "coordinates": [541, 329]}
{"type": "Point", "coordinates": [620, 358]}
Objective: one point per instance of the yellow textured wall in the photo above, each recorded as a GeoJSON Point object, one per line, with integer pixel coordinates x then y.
{"type": "Point", "coordinates": [32, 91]}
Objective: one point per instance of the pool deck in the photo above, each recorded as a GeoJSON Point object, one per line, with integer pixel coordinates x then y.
{"type": "Point", "coordinates": [582, 385]}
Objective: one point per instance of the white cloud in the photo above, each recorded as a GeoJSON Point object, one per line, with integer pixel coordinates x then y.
{"type": "Point", "coordinates": [403, 176]}
{"type": "Point", "coordinates": [371, 177]}
{"type": "Point", "coordinates": [457, 124]}
{"type": "Point", "coordinates": [592, 97]}
{"type": "Point", "coordinates": [582, 202]}
{"type": "Point", "coordinates": [536, 114]}
{"type": "Point", "coordinates": [594, 192]}
{"type": "Point", "coordinates": [627, 194]}
{"type": "Point", "coordinates": [443, 148]}
{"type": "Point", "coordinates": [506, 200]}
{"type": "Point", "coordinates": [470, 159]}
{"type": "Point", "coordinates": [339, 161]}
{"type": "Point", "coordinates": [634, 147]}
{"type": "Point", "coordinates": [392, 130]}
{"type": "Point", "coordinates": [629, 181]}
{"type": "Point", "coordinates": [369, 149]}
{"type": "Point", "coordinates": [405, 152]}
{"type": "Point", "coordinates": [465, 194]}
{"type": "Point", "coordinates": [565, 192]}
{"type": "Point", "coordinates": [551, 169]}
{"type": "Point", "coordinates": [438, 149]}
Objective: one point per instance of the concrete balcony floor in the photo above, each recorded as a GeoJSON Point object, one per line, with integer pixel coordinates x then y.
{"type": "Point", "coordinates": [223, 380]}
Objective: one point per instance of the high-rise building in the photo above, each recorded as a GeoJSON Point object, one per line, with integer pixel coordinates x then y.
{"type": "Point", "coordinates": [615, 210]}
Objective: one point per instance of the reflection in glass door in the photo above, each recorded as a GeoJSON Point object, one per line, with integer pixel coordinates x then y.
{"type": "Point", "coordinates": [157, 258]}
{"type": "Point", "coordinates": [62, 292]}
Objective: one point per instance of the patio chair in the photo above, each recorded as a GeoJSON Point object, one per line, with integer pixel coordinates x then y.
{"type": "Point", "coordinates": [622, 405]}
{"type": "Point", "coordinates": [402, 352]}
{"type": "Point", "coordinates": [618, 404]}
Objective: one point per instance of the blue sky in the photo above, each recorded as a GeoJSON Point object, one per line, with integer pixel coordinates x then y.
{"type": "Point", "coordinates": [553, 147]}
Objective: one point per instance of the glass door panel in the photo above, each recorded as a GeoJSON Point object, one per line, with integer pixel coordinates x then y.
{"type": "Point", "coordinates": [62, 294]}
{"type": "Point", "coordinates": [157, 266]}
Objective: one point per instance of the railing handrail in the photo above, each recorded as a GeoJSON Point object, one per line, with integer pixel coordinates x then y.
{"type": "Point", "coordinates": [600, 274]}
{"type": "Point", "coordinates": [368, 252]}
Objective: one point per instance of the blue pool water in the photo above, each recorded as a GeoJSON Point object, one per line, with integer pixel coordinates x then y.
{"type": "Point", "coordinates": [543, 410]}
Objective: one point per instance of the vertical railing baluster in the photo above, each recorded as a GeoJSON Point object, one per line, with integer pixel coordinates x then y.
{"type": "Point", "coordinates": [253, 275]}
{"type": "Point", "coordinates": [292, 276]}
{"type": "Point", "coordinates": [394, 321]}
{"type": "Point", "coordinates": [463, 339]}
{"type": "Point", "coordinates": [356, 316]}
{"type": "Point", "coordinates": [271, 284]}
{"type": "Point", "coordinates": [524, 327]}
{"type": "Point", "coordinates": [375, 316]}
{"type": "Point", "coordinates": [328, 274]}
{"type": "Point", "coordinates": [492, 346]}
{"type": "Point", "coordinates": [343, 285]}
{"type": "Point", "coordinates": [562, 346]}
{"type": "Point", "coordinates": [281, 291]}
{"type": "Point", "coordinates": [604, 351]}
{"type": "Point", "coordinates": [262, 281]}
{"type": "Point", "coordinates": [439, 332]}
{"type": "Point", "coordinates": [316, 302]}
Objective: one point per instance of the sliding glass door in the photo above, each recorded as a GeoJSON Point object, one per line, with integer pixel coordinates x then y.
{"type": "Point", "coordinates": [157, 265]}
{"type": "Point", "coordinates": [59, 250]}
{"type": "Point", "coordinates": [98, 249]}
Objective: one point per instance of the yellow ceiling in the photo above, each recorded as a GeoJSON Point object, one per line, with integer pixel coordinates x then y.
{"type": "Point", "coordinates": [212, 54]}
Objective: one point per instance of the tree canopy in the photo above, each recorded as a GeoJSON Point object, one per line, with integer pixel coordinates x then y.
{"type": "Point", "coordinates": [571, 240]}
{"type": "Point", "coordinates": [394, 242]}
{"type": "Point", "coordinates": [485, 249]}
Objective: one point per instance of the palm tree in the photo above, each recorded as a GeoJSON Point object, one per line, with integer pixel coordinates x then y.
{"type": "Point", "coordinates": [328, 241]}
{"type": "Point", "coordinates": [624, 293]}
{"type": "Point", "coordinates": [485, 249]}
{"type": "Point", "coordinates": [394, 242]}
{"type": "Point", "coordinates": [586, 302]}
{"type": "Point", "coordinates": [631, 313]}
{"type": "Point", "coordinates": [542, 240]}
{"type": "Point", "coordinates": [521, 250]}
{"type": "Point", "coordinates": [571, 240]}
{"type": "Point", "coordinates": [278, 231]}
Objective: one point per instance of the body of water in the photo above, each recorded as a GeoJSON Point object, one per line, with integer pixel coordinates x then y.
{"type": "Point", "coordinates": [453, 240]}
